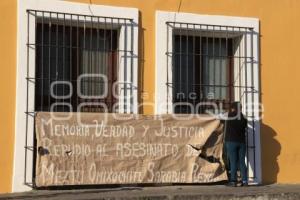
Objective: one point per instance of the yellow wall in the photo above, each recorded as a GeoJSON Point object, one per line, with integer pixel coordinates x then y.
{"type": "Point", "coordinates": [8, 32]}
{"type": "Point", "coordinates": [280, 70]}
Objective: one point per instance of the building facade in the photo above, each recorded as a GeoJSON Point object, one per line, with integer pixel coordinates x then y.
{"type": "Point", "coordinates": [166, 56]}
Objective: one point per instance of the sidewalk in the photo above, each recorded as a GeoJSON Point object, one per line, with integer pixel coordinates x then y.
{"type": "Point", "coordinates": [219, 192]}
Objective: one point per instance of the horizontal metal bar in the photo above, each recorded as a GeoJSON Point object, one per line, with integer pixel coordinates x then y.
{"type": "Point", "coordinates": [76, 80]}
{"type": "Point", "coordinates": [32, 114]}
{"type": "Point", "coordinates": [76, 47]}
{"type": "Point", "coordinates": [29, 184]}
{"type": "Point", "coordinates": [251, 118]}
{"type": "Point", "coordinates": [212, 25]}
{"type": "Point", "coordinates": [82, 15]}
{"type": "Point", "coordinates": [207, 55]}
{"type": "Point", "coordinates": [31, 148]}
{"type": "Point", "coordinates": [209, 85]}
{"type": "Point", "coordinates": [250, 92]}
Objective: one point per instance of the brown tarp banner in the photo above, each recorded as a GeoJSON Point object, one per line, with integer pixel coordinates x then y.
{"type": "Point", "coordinates": [93, 148]}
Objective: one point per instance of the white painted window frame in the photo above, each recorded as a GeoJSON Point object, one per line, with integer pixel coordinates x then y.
{"type": "Point", "coordinates": [163, 103]}
{"type": "Point", "coordinates": [20, 118]}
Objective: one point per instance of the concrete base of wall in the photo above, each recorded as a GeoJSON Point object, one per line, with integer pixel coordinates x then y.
{"type": "Point", "coordinates": [216, 192]}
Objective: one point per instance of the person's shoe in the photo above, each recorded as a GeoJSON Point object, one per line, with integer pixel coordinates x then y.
{"type": "Point", "coordinates": [231, 184]}
{"type": "Point", "coordinates": [244, 184]}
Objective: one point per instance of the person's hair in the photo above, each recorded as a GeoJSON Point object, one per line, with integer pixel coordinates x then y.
{"type": "Point", "coordinates": [236, 105]}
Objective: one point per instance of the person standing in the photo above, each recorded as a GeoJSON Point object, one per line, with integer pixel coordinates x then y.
{"type": "Point", "coordinates": [235, 143]}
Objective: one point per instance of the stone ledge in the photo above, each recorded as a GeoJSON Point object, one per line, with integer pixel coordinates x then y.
{"type": "Point", "coordinates": [212, 192]}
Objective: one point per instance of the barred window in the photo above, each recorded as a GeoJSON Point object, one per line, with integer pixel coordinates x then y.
{"type": "Point", "coordinates": [210, 67]}
{"type": "Point", "coordinates": [207, 67]}
{"type": "Point", "coordinates": [76, 63]}
{"type": "Point", "coordinates": [78, 60]}
{"type": "Point", "coordinates": [202, 70]}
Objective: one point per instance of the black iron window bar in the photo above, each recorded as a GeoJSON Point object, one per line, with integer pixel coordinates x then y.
{"type": "Point", "coordinates": [67, 46]}
{"type": "Point", "coordinates": [211, 59]}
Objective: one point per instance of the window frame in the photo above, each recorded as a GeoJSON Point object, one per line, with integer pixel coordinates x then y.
{"type": "Point", "coordinates": [22, 122]}
{"type": "Point", "coordinates": [163, 99]}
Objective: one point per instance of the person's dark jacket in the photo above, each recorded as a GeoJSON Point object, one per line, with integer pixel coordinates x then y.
{"type": "Point", "coordinates": [235, 128]}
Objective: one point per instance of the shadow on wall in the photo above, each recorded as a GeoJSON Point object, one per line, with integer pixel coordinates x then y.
{"type": "Point", "coordinates": [141, 64]}
{"type": "Point", "coordinates": [270, 150]}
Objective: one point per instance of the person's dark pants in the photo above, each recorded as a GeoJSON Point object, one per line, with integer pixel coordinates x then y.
{"type": "Point", "coordinates": [236, 153]}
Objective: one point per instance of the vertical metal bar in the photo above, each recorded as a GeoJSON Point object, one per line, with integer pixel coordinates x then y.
{"type": "Point", "coordinates": [83, 67]}
{"type": "Point", "coordinates": [110, 82]}
{"type": "Point", "coordinates": [107, 57]}
{"type": "Point", "coordinates": [232, 47]}
{"type": "Point", "coordinates": [239, 72]}
{"type": "Point", "coordinates": [167, 54]}
{"type": "Point", "coordinates": [131, 70]}
{"type": "Point", "coordinates": [94, 61]}
{"type": "Point", "coordinates": [77, 62]}
{"type": "Point", "coordinates": [106, 53]}
{"type": "Point", "coordinates": [97, 51]}
{"type": "Point", "coordinates": [110, 66]}
{"type": "Point", "coordinates": [180, 71]}
{"type": "Point", "coordinates": [27, 98]}
{"type": "Point", "coordinates": [246, 93]}
{"type": "Point", "coordinates": [112, 75]}
{"type": "Point", "coordinates": [117, 71]}
{"type": "Point", "coordinates": [200, 69]}
{"type": "Point", "coordinates": [214, 62]}
{"type": "Point", "coordinates": [194, 82]}
{"type": "Point", "coordinates": [252, 99]}
{"type": "Point", "coordinates": [90, 61]}
{"type": "Point", "coordinates": [49, 64]}
{"type": "Point", "coordinates": [34, 137]}
{"type": "Point", "coordinates": [187, 64]}
{"type": "Point", "coordinates": [64, 56]}
{"type": "Point", "coordinates": [71, 63]}
{"type": "Point", "coordinates": [42, 66]}
{"type": "Point", "coordinates": [110, 71]}
{"type": "Point", "coordinates": [228, 65]}
{"type": "Point", "coordinates": [220, 88]}
{"type": "Point", "coordinates": [125, 67]}
{"type": "Point", "coordinates": [56, 56]}
{"type": "Point", "coordinates": [206, 85]}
